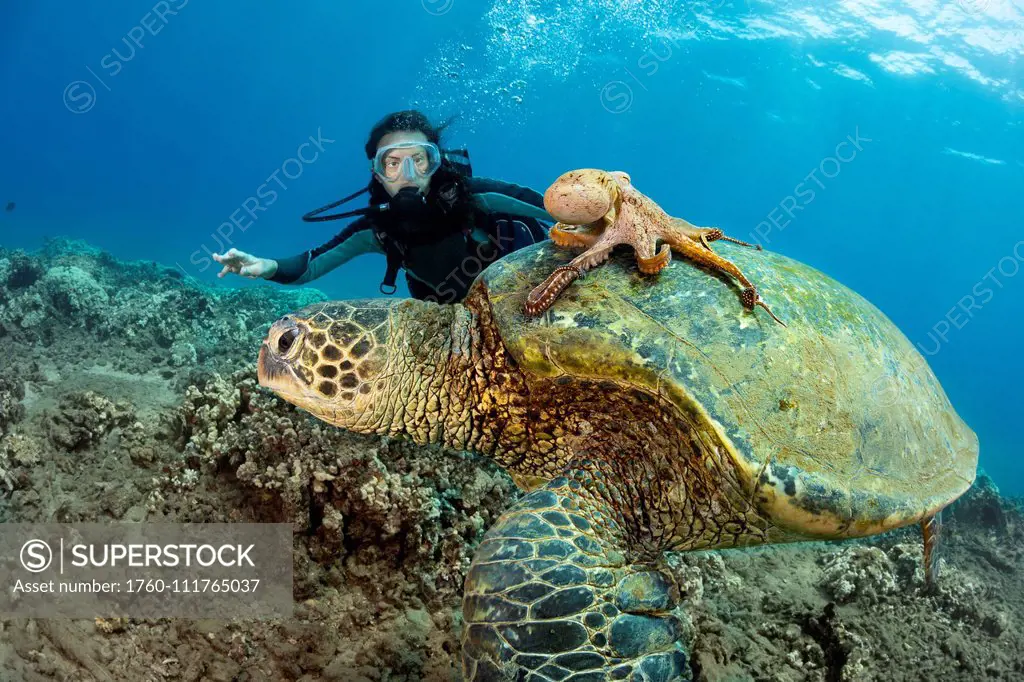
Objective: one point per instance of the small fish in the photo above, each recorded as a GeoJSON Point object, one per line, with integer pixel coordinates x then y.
{"type": "Point", "coordinates": [9, 207]}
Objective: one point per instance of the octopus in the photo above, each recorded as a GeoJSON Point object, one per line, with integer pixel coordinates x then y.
{"type": "Point", "coordinates": [598, 210]}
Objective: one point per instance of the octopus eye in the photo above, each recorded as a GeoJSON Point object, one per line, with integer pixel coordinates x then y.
{"type": "Point", "coordinates": [287, 339]}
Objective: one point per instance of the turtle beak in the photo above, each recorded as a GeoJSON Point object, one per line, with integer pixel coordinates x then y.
{"type": "Point", "coordinates": [278, 366]}
{"type": "Point", "coordinates": [273, 372]}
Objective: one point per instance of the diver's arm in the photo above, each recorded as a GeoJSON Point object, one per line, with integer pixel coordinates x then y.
{"type": "Point", "coordinates": [354, 240]}
{"type": "Point", "coordinates": [497, 196]}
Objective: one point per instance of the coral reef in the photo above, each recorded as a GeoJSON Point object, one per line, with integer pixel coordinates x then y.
{"type": "Point", "coordinates": [366, 502]}
{"type": "Point", "coordinates": [864, 573]}
{"type": "Point", "coordinates": [12, 391]}
{"type": "Point", "coordinates": [74, 294]}
{"type": "Point", "coordinates": [984, 506]}
{"type": "Point", "coordinates": [83, 419]}
{"type": "Point", "coordinates": [138, 310]}
{"type": "Point", "coordinates": [127, 393]}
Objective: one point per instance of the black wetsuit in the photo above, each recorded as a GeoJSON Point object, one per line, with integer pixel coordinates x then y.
{"type": "Point", "coordinates": [506, 218]}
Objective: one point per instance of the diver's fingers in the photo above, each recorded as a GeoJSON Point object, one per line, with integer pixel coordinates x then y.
{"type": "Point", "coordinates": [249, 271]}
{"type": "Point", "coordinates": [231, 254]}
{"type": "Point", "coordinates": [226, 269]}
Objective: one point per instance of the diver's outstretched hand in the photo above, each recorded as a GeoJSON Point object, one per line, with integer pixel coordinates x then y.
{"type": "Point", "coordinates": [246, 265]}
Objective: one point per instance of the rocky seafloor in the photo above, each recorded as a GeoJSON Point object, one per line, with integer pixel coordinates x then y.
{"type": "Point", "coordinates": [128, 393]}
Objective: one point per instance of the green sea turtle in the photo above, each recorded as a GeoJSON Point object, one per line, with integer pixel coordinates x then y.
{"type": "Point", "coordinates": [644, 415]}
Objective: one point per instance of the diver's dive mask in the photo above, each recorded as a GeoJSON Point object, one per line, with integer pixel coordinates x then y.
{"type": "Point", "coordinates": [408, 161]}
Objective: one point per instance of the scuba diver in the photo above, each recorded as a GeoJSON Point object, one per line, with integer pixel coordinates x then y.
{"type": "Point", "coordinates": [427, 215]}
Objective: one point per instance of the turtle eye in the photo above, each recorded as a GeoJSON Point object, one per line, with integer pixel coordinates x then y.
{"type": "Point", "coordinates": [287, 340]}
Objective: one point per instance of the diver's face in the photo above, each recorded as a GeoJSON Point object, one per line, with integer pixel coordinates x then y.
{"type": "Point", "coordinates": [393, 180]}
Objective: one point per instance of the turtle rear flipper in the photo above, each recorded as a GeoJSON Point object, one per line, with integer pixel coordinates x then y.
{"type": "Point", "coordinates": [931, 529]}
{"type": "Point", "coordinates": [550, 592]}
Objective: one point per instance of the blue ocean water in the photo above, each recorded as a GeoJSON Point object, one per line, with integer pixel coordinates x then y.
{"type": "Point", "coordinates": [881, 142]}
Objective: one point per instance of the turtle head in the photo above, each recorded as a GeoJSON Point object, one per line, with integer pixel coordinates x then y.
{"type": "Point", "coordinates": [584, 196]}
{"type": "Point", "coordinates": [332, 360]}
{"type": "Point", "coordinates": [376, 366]}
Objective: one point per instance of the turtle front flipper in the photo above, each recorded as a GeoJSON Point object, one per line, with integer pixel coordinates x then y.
{"type": "Point", "coordinates": [551, 596]}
